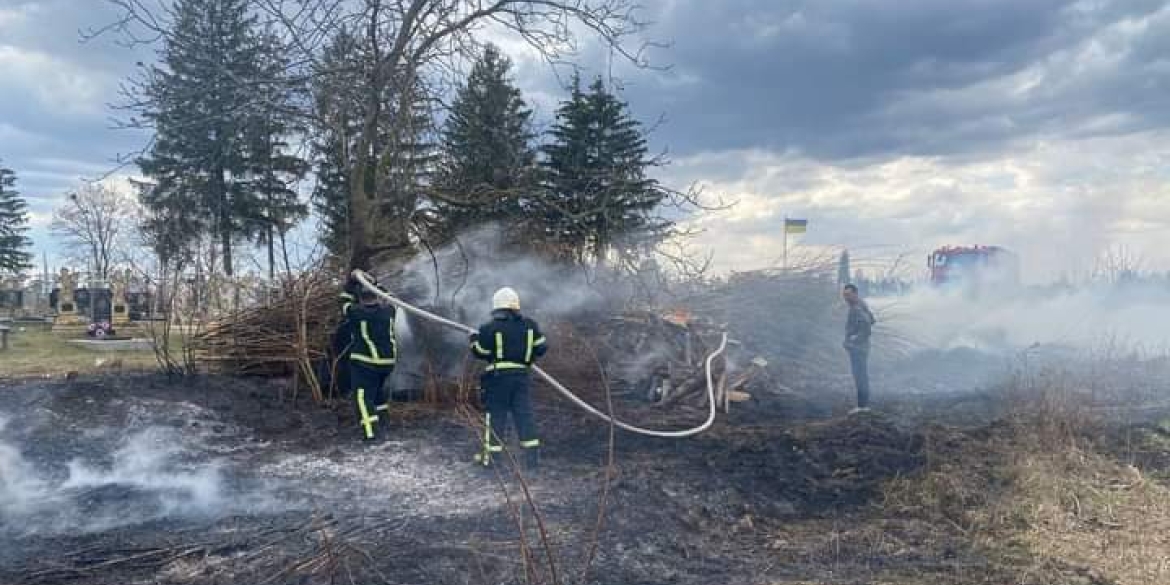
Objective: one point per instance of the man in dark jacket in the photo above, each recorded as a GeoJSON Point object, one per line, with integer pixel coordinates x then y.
{"type": "Point", "coordinates": [373, 352]}
{"type": "Point", "coordinates": [510, 344]}
{"type": "Point", "coordinates": [858, 327]}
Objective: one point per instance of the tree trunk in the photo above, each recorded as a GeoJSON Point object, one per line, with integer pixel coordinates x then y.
{"type": "Point", "coordinates": [225, 236]}
{"type": "Point", "coordinates": [363, 178]}
{"type": "Point", "coordinates": [97, 261]}
{"type": "Point", "coordinates": [219, 184]}
{"type": "Point", "coordinates": [271, 255]}
{"type": "Point", "coordinates": [359, 213]}
{"type": "Point", "coordinates": [284, 252]}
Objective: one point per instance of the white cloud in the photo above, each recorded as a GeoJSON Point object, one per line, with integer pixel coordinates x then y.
{"type": "Point", "coordinates": [10, 134]}
{"type": "Point", "coordinates": [57, 85]}
{"type": "Point", "coordinates": [13, 16]}
{"type": "Point", "coordinates": [39, 219]}
{"type": "Point", "coordinates": [121, 183]}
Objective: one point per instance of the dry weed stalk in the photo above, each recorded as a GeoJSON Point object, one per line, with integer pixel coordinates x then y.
{"type": "Point", "coordinates": [607, 473]}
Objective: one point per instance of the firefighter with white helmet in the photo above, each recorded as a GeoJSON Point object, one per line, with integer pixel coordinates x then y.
{"type": "Point", "coordinates": [510, 343]}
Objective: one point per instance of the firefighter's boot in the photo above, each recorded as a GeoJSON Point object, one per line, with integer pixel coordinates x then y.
{"type": "Point", "coordinates": [483, 460]}
{"type": "Point", "coordinates": [384, 423]}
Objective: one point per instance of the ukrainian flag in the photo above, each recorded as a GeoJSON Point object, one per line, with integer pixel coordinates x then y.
{"type": "Point", "coordinates": [795, 226]}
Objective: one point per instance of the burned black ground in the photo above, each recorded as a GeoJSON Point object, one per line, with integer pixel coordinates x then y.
{"type": "Point", "coordinates": [251, 487]}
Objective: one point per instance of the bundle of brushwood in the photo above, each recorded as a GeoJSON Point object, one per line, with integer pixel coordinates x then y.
{"type": "Point", "coordinates": [793, 317]}
{"type": "Point", "coordinates": [288, 336]}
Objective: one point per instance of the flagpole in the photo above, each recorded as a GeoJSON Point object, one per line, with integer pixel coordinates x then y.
{"type": "Point", "coordinates": [785, 264]}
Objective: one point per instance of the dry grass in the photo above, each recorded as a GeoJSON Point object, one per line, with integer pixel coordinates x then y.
{"type": "Point", "coordinates": [35, 352]}
{"type": "Point", "coordinates": [1087, 510]}
{"type": "Point", "coordinates": [1039, 492]}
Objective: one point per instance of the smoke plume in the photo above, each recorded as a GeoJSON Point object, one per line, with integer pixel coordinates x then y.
{"type": "Point", "coordinates": [149, 476]}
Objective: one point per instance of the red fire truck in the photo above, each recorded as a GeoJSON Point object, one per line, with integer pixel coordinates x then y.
{"type": "Point", "coordinates": [979, 267]}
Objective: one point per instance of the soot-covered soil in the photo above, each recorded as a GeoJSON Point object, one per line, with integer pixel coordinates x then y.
{"type": "Point", "coordinates": [140, 479]}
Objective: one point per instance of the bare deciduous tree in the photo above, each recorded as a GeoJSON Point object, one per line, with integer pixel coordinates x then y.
{"type": "Point", "coordinates": [97, 223]}
{"type": "Point", "coordinates": [1117, 264]}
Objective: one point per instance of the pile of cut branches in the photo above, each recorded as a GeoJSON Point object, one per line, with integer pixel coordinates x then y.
{"type": "Point", "coordinates": [793, 317]}
{"type": "Point", "coordinates": [288, 336]}
{"type": "Point", "coordinates": [785, 323]}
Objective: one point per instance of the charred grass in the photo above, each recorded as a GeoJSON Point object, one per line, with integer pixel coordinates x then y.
{"type": "Point", "coordinates": [1046, 490]}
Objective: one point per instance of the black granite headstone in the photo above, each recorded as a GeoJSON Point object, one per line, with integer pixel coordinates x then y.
{"type": "Point", "coordinates": [81, 299]}
{"type": "Point", "coordinates": [11, 299]}
{"type": "Point", "coordinates": [99, 304]}
{"type": "Point", "coordinates": [139, 305]}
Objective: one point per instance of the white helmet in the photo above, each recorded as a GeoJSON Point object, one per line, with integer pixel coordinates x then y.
{"type": "Point", "coordinates": [506, 298]}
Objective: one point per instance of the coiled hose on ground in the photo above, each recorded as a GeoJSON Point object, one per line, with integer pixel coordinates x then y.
{"type": "Point", "coordinates": [368, 283]}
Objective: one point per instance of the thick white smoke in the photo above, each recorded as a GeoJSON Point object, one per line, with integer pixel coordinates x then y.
{"type": "Point", "coordinates": [1137, 316]}
{"type": "Point", "coordinates": [480, 263]}
{"type": "Point", "coordinates": [468, 274]}
{"type": "Point", "coordinates": [149, 476]}
{"type": "Point", "coordinates": [22, 490]}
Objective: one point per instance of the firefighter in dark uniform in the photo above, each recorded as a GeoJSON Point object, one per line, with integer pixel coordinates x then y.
{"type": "Point", "coordinates": [373, 352]}
{"type": "Point", "coordinates": [510, 343]}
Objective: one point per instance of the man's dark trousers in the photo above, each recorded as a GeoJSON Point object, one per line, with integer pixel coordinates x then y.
{"type": "Point", "coordinates": [504, 395]}
{"type": "Point", "coordinates": [859, 363]}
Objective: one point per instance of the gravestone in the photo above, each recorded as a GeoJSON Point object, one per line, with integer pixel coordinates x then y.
{"type": "Point", "coordinates": [140, 305]}
{"type": "Point", "coordinates": [101, 302]}
{"type": "Point", "coordinates": [36, 302]}
{"type": "Point", "coordinates": [81, 297]}
{"type": "Point", "coordinates": [11, 298]}
{"type": "Point", "coordinates": [67, 310]}
{"type": "Point", "coordinates": [120, 305]}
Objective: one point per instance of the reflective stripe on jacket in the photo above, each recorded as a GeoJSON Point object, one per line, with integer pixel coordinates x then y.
{"type": "Point", "coordinates": [373, 337]}
{"type": "Point", "coordinates": [509, 342]}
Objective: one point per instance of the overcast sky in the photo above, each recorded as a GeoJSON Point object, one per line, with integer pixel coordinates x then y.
{"type": "Point", "coordinates": [893, 126]}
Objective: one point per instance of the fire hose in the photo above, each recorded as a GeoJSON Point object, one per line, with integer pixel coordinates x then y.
{"type": "Point", "coordinates": [366, 282]}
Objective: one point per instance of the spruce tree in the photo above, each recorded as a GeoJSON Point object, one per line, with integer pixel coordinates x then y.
{"type": "Point", "coordinates": [400, 157]}
{"type": "Point", "coordinates": [279, 207]}
{"type": "Point", "coordinates": [597, 197]}
{"type": "Point", "coordinates": [203, 102]}
{"type": "Point", "coordinates": [331, 193]}
{"type": "Point", "coordinates": [14, 257]}
{"type": "Point", "coordinates": [487, 163]}
{"type": "Point", "coordinates": [336, 125]}
{"type": "Point", "coordinates": [406, 168]}
{"type": "Point", "coordinates": [272, 168]}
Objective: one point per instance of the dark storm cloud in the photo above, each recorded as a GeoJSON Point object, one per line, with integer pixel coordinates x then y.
{"type": "Point", "coordinates": [865, 77]}
{"type": "Point", "coordinates": [830, 79]}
